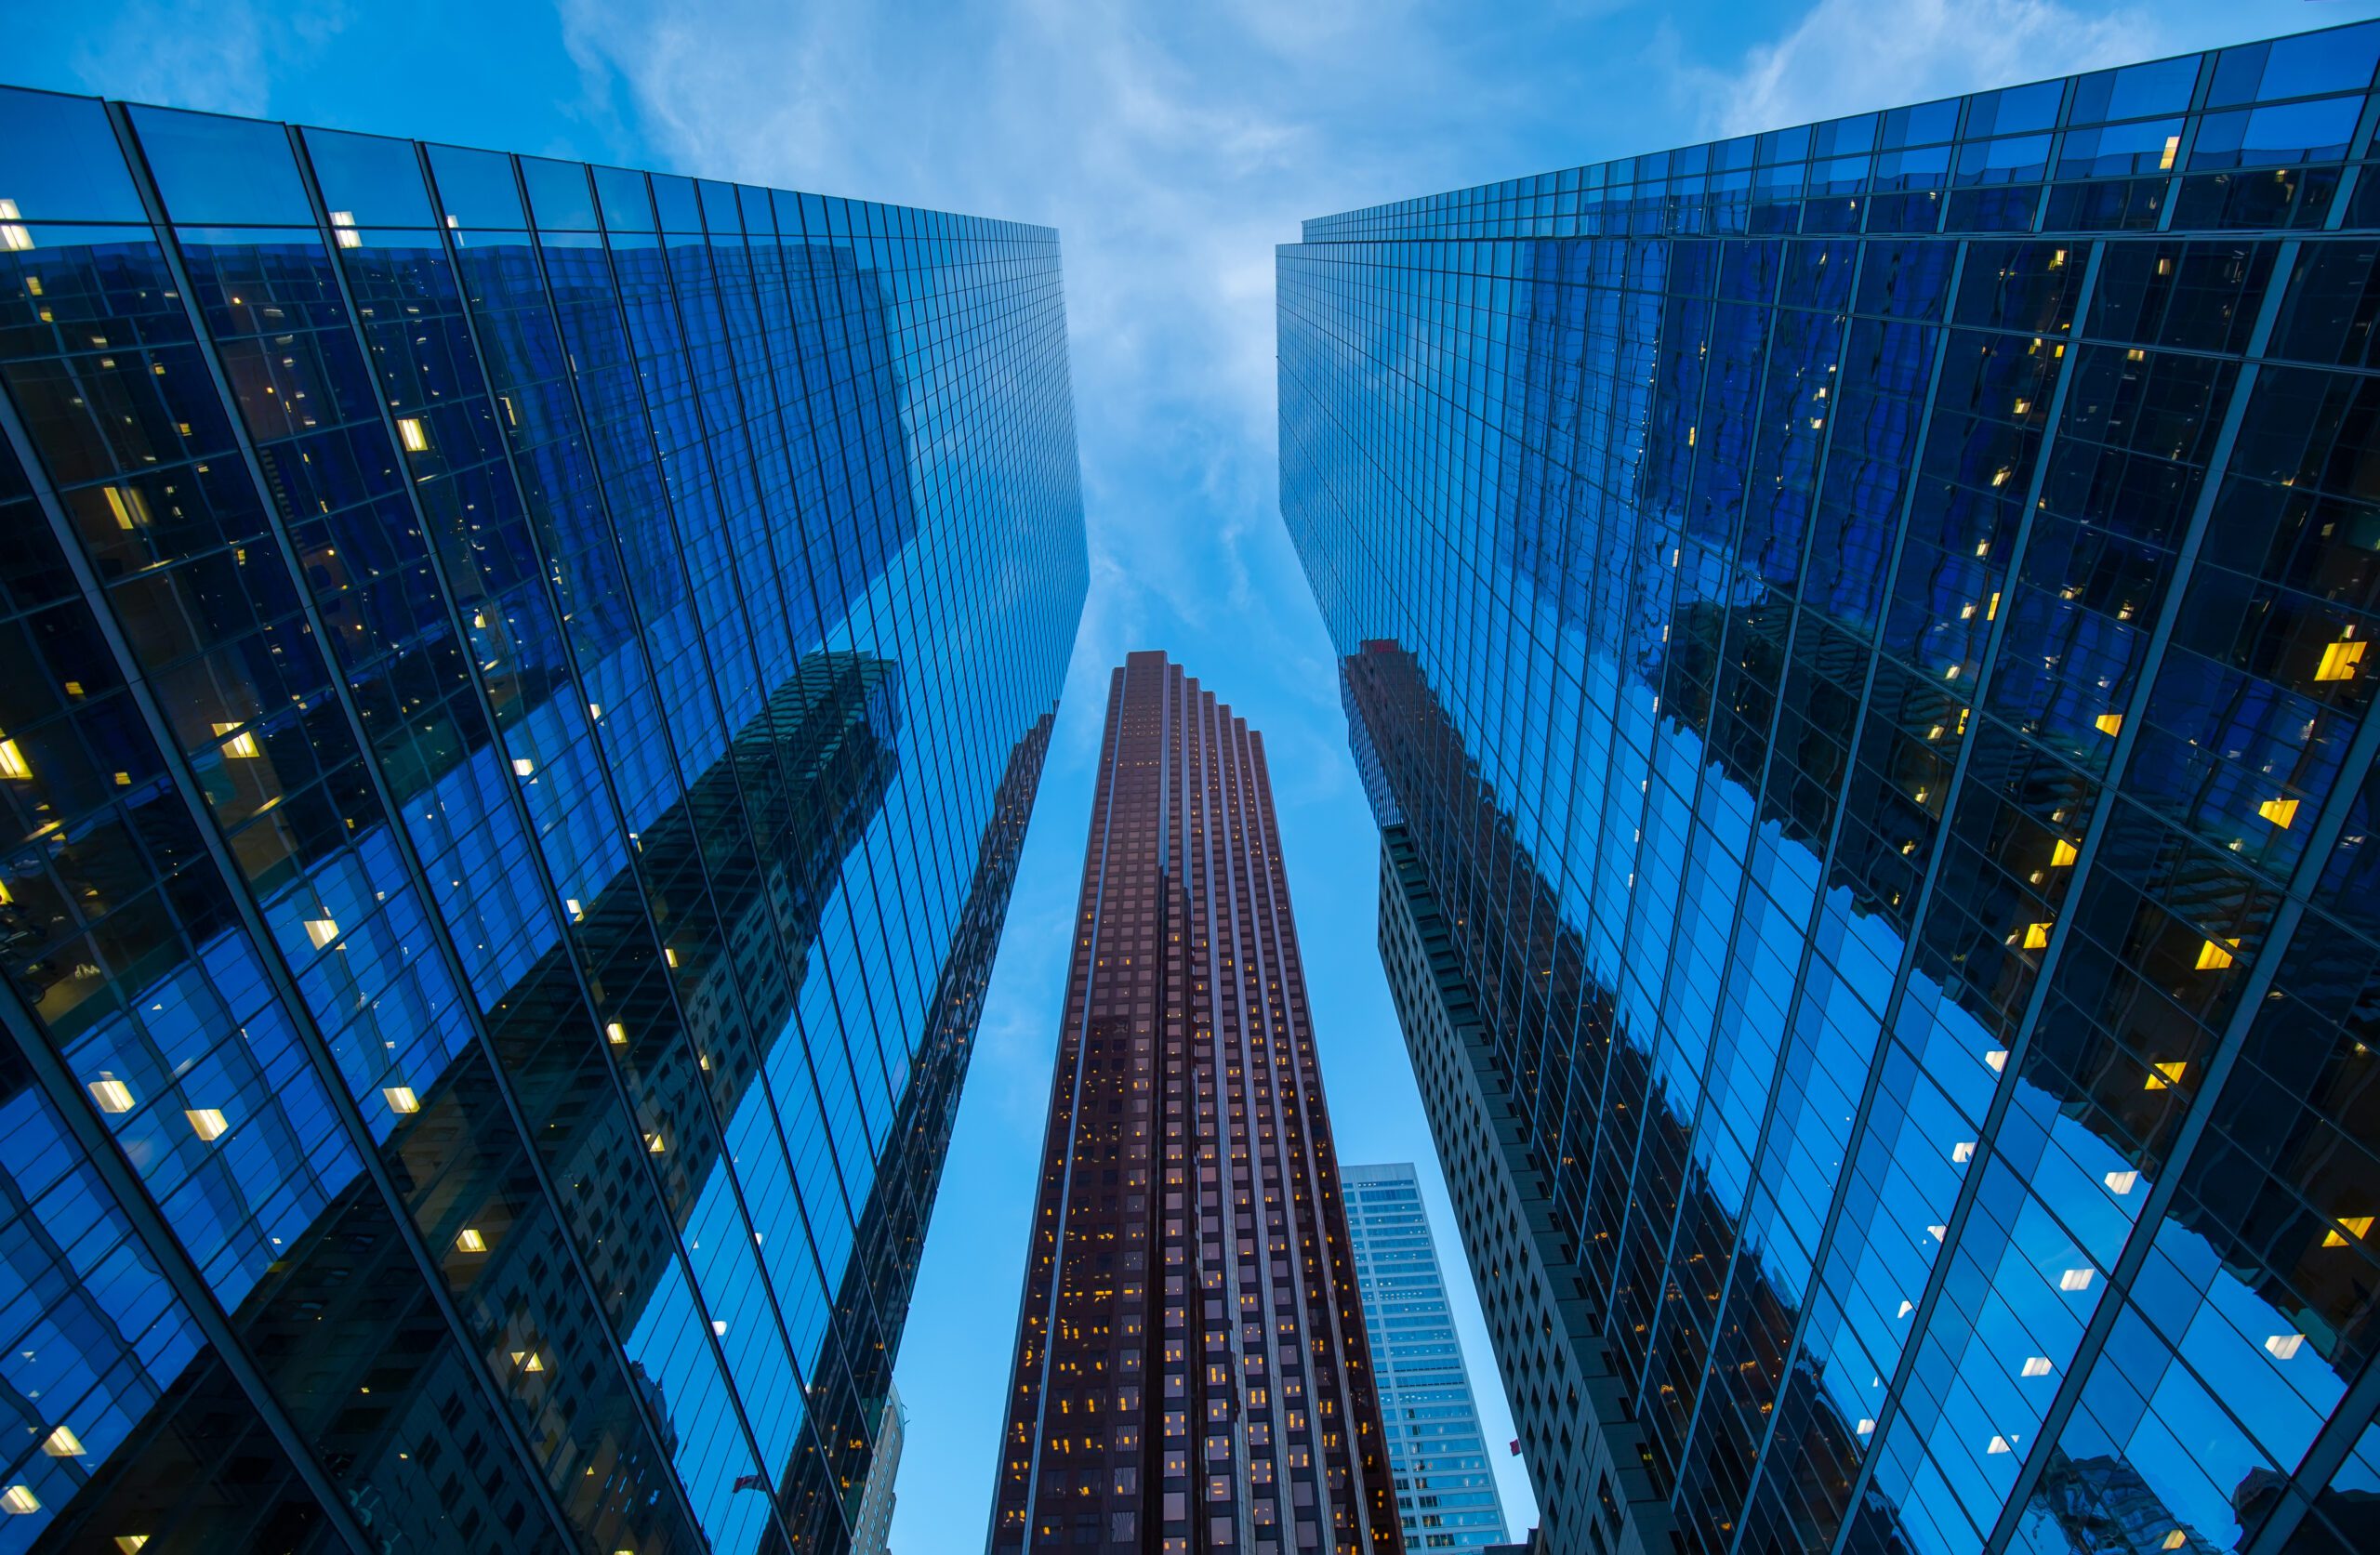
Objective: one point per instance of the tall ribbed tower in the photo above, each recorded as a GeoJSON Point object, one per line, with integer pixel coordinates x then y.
{"type": "Point", "coordinates": [1191, 1371]}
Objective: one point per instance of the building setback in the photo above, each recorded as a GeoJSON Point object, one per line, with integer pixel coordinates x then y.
{"type": "Point", "coordinates": [1855, 637]}
{"type": "Point", "coordinates": [523, 688]}
{"type": "Point", "coordinates": [1190, 1368]}
{"type": "Point", "coordinates": [1445, 1488]}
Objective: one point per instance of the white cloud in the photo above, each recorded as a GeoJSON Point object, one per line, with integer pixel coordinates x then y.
{"type": "Point", "coordinates": [1851, 56]}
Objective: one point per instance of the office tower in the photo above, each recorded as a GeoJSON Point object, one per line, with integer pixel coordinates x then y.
{"type": "Point", "coordinates": [1191, 1366]}
{"type": "Point", "coordinates": [1437, 1453]}
{"type": "Point", "coordinates": [523, 689]}
{"type": "Point", "coordinates": [1857, 638]}
{"type": "Point", "coordinates": [873, 1527]}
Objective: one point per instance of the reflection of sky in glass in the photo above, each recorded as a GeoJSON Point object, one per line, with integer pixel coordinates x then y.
{"type": "Point", "coordinates": [1666, 451]}
{"type": "Point", "coordinates": [563, 551]}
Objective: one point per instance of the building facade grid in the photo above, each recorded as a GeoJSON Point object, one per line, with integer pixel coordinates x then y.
{"type": "Point", "coordinates": [523, 685]}
{"type": "Point", "coordinates": [1857, 632]}
{"type": "Point", "coordinates": [1445, 1488]}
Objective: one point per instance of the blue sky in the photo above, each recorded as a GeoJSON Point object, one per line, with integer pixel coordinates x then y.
{"type": "Point", "coordinates": [1172, 146]}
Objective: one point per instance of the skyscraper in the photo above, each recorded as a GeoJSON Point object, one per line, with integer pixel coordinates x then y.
{"type": "Point", "coordinates": [523, 689]}
{"type": "Point", "coordinates": [1856, 636]}
{"type": "Point", "coordinates": [1445, 1491]}
{"type": "Point", "coordinates": [1190, 1368]}
{"type": "Point", "coordinates": [873, 1525]}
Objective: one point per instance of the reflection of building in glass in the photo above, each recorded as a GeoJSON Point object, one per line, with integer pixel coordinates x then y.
{"type": "Point", "coordinates": [520, 703]}
{"type": "Point", "coordinates": [1191, 1368]}
{"type": "Point", "coordinates": [1445, 1492]}
{"type": "Point", "coordinates": [1853, 635]}
{"type": "Point", "coordinates": [873, 1523]}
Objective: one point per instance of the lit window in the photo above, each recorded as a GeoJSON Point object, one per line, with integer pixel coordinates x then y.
{"type": "Point", "coordinates": [111, 1094]}
{"type": "Point", "coordinates": [2063, 853]}
{"type": "Point", "coordinates": [2074, 1279]}
{"type": "Point", "coordinates": [131, 508]}
{"type": "Point", "coordinates": [2360, 1224]}
{"type": "Point", "coordinates": [2339, 660]}
{"type": "Point", "coordinates": [206, 1122]}
{"type": "Point", "coordinates": [2175, 1540]}
{"type": "Point", "coordinates": [2280, 812]}
{"type": "Point", "coordinates": [1999, 1445]}
{"type": "Point", "coordinates": [470, 1241]}
{"type": "Point", "coordinates": [12, 761]}
{"type": "Point", "coordinates": [129, 1543]}
{"type": "Point", "coordinates": [2284, 1346]}
{"type": "Point", "coordinates": [1963, 1152]}
{"type": "Point", "coordinates": [401, 1098]}
{"type": "Point", "coordinates": [572, 903]}
{"type": "Point", "coordinates": [528, 1359]}
{"type": "Point", "coordinates": [63, 1442]}
{"type": "Point", "coordinates": [322, 931]}
{"type": "Point", "coordinates": [20, 1500]}
{"type": "Point", "coordinates": [243, 746]}
{"type": "Point", "coordinates": [2108, 723]}
{"type": "Point", "coordinates": [1997, 1060]}
{"type": "Point", "coordinates": [2213, 956]}
{"type": "Point", "coordinates": [14, 238]}
{"type": "Point", "coordinates": [412, 434]}
{"type": "Point", "coordinates": [653, 1144]}
{"type": "Point", "coordinates": [2036, 1366]}
{"type": "Point", "coordinates": [522, 766]}
{"type": "Point", "coordinates": [2036, 936]}
{"type": "Point", "coordinates": [617, 1032]}
{"type": "Point", "coordinates": [2120, 1184]}
{"type": "Point", "coordinates": [343, 229]}
{"type": "Point", "coordinates": [719, 1327]}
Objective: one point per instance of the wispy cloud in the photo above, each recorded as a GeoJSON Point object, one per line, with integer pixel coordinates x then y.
{"type": "Point", "coordinates": [1851, 56]}
{"type": "Point", "coordinates": [220, 55]}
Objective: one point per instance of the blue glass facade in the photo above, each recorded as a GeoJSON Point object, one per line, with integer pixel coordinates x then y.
{"type": "Point", "coordinates": [1856, 636]}
{"type": "Point", "coordinates": [521, 691]}
{"type": "Point", "coordinates": [1445, 1492]}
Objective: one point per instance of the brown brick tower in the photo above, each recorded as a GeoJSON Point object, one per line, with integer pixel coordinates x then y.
{"type": "Point", "coordinates": [1191, 1370]}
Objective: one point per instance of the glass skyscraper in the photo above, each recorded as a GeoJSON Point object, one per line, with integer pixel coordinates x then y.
{"type": "Point", "coordinates": [1445, 1492]}
{"type": "Point", "coordinates": [521, 690]}
{"type": "Point", "coordinates": [1857, 640]}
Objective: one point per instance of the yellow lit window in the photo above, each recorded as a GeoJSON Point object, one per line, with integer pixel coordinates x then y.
{"type": "Point", "coordinates": [617, 1032]}
{"type": "Point", "coordinates": [63, 1442]}
{"type": "Point", "coordinates": [2360, 1224]}
{"type": "Point", "coordinates": [12, 761]}
{"type": "Point", "coordinates": [131, 1543]}
{"type": "Point", "coordinates": [401, 1098]}
{"type": "Point", "coordinates": [2280, 812]}
{"type": "Point", "coordinates": [470, 1241]}
{"type": "Point", "coordinates": [654, 1142]}
{"type": "Point", "coordinates": [243, 746]}
{"type": "Point", "coordinates": [2036, 936]}
{"type": "Point", "coordinates": [2063, 853]}
{"type": "Point", "coordinates": [670, 954]}
{"type": "Point", "coordinates": [2175, 1539]}
{"type": "Point", "coordinates": [2214, 956]}
{"type": "Point", "coordinates": [2339, 660]}
{"type": "Point", "coordinates": [206, 1122]}
{"type": "Point", "coordinates": [2108, 723]}
{"type": "Point", "coordinates": [322, 931]}
{"type": "Point", "coordinates": [131, 508]}
{"type": "Point", "coordinates": [412, 434]}
{"type": "Point", "coordinates": [19, 1500]}
{"type": "Point", "coordinates": [2165, 157]}
{"type": "Point", "coordinates": [528, 1359]}
{"type": "Point", "coordinates": [2161, 1075]}
{"type": "Point", "coordinates": [111, 1094]}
